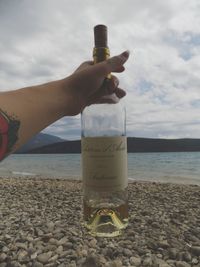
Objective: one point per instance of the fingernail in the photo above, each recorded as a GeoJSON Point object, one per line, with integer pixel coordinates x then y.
{"type": "Point", "coordinates": [125, 54]}
{"type": "Point", "coordinates": [116, 83]}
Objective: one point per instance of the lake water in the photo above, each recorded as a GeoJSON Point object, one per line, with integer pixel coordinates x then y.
{"type": "Point", "coordinates": [182, 167]}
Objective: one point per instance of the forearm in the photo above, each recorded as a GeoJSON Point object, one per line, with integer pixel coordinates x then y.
{"type": "Point", "coordinates": [32, 109]}
{"type": "Point", "coordinates": [27, 111]}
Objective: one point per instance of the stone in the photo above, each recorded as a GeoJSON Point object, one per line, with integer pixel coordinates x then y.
{"type": "Point", "coordinates": [160, 256]}
{"type": "Point", "coordinates": [82, 253]}
{"type": "Point", "coordinates": [5, 249]}
{"type": "Point", "coordinates": [21, 245]}
{"type": "Point", "coordinates": [15, 264]}
{"type": "Point", "coordinates": [23, 256]}
{"type": "Point", "coordinates": [50, 225]}
{"type": "Point", "coordinates": [7, 236]}
{"type": "Point", "coordinates": [44, 257]}
{"type": "Point", "coordinates": [90, 261]}
{"type": "Point", "coordinates": [172, 253]}
{"type": "Point", "coordinates": [93, 243]}
{"type": "Point", "coordinates": [147, 261]}
{"type": "Point", "coordinates": [182, 264]}
{"type": "Point", "coordinates": [53, 241]}
{"type": "Point", "coordinates": [195, 250]}
{"type": "Point", "coordinates": [187, 256]}
{"type": "Point", "coordinates": [127, 252]}
{"type": "Point", "coordinates": [171, 262]}
{"type": "Point", "coordinates": [59, 250]}
{"type": "Point", "coordinates": [102, 259]}
{"type": "Point", "coordinates": [3, 257]}
{"type": "Point", "coordinates": [160, 263]}
{"type": "Point", "coordinates": [195, 261]}
{"type": "Point", "coordinates": [38, 232]}
{"type": "Point", "coordinates": [33, 256]}
{"type": "Point", "coordinates": [63, 241]}
{"type": "Point", "coordinates": [37, 264]}
{"type": "Point", "coordinates": [115, 263]}
{"type": "Point", "coordinates": [136, 261]}
{"type": "Point", "coordinates": [54, 258]}
{"type": "Point", "coordinates": [69, 245]}
{"type": "Point", "coordinates": [163, 244]}
{"type": "Point", "coordinates": [72, 264]}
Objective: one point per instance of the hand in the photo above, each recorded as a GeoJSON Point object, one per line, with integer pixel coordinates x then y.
{"type": "Point", "coordinates": [87, 85]}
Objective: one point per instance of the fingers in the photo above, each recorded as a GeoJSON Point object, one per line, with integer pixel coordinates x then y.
{"type": "Point", "coordinates": [109, 93]}
{"type": "Point", "coordinates": [116, 62]}
{"type": "Point", "coordinates": [84, 65]}
{"type": "Point", "coordinates": [110, 85]}
{"type": "Point", "coordinates": [109, 99]}
{"type": "Point", "coordinates": [113, 64]}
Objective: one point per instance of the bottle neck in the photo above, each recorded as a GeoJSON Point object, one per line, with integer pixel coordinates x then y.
{"type": "Point", "coordinates": [100, 54]}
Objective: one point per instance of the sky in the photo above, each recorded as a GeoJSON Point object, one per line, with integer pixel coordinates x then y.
{"type": "Point", "coordinates": [46, 40]}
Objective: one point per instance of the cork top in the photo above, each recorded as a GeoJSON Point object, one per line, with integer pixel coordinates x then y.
{"type": "Point", "coordinates": [100, 36]}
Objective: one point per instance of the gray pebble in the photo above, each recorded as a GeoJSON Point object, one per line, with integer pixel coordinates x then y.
{"type": "Point", "coordinates": [5, 249]}
{"type": "Point", "coordinates": [44, 257]}
{"type": "Point", "coordinates": [160, 262]}
{"type": "Point", "coordinates": [53, 241]}
{"type": "Point", "coordinates": [37, 264]}
{"type": "Point", "coordinates": [91, 261]}
{"type": "Point", "coordinates": [63, 240]}
{"type": "Point", "coordinates": [23, 256]}
{"type": "Point", "coordinates": [21, 245]}
{"type": "Point", "coordinates": [69, 245]}
{"type": "Point", "coordinates": [50, 225]}
{"type": "Point", "coordinates": [187, 256]}
{"type": "Point", "coordinates": [116, 263]}
{"type": "Point", "coordinates": [182, 264]}
{"type": "Point", "coordinates": [3, 256]}
{"type": "Point", "coordinates": [172, 253]}
{"type": "Point", "coordinates": [15, 264]}
{"type": "Point", "coordinates": [33, 256]}
{"type": "Point", "coordinates": [195, 250]}
{"type": "Point", "coordinates": [59, 250]}
{"type": "Point", "coordinates": [195, 261]}
{"type": "Point", "coordinates": [135, 261]}
{"type": "Point", "coordinates": [127, 252]}
{"type": "Point", "coordinates": [72, 264]}
{"type": "Point", "coordinates": [54, 258]}
{"type": "Point", "coordinates": [163, 244]}
{"type": "Point", "coordinates": [93, 243]}
{"type": "Point", "coordinates": [147, 261]}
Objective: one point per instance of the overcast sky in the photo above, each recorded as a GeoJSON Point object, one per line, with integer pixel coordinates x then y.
{"type": "Point", "coordinates": [43, 40]}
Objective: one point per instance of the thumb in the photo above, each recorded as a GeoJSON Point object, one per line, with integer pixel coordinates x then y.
{"type": "Point", "coordinates": [113, 64]}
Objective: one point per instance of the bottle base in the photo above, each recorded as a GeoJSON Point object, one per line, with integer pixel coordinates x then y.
{"type": "Point", "coordinates": [106, 223]}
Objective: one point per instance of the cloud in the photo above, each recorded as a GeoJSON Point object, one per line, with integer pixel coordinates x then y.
{"type": "Point", "coordinates": [46, 40]}
{"type": "Point", "coordinates": [66, 128]}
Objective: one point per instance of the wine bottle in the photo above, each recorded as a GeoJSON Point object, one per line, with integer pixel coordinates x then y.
{"type": "Point", "coordinates": [104, 159]}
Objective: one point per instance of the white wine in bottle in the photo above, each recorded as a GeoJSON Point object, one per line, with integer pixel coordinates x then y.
{"type": "Point", "coordinates": [104, 159]}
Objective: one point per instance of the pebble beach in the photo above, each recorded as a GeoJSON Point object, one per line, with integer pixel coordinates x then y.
{"type": "Point", "coordinates": [41, 225]}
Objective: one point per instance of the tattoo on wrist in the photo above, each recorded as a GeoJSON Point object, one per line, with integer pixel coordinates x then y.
{"type": "Point", "coordinates": [9, 127]}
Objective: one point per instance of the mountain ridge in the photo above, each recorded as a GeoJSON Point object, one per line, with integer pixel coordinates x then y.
{"type": "Point", "coordinates": [39, 140]}
{"type": "Point", "coordinates": [134, 145]}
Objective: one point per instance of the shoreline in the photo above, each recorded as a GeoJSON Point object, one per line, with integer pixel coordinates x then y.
{"type": "Point", "coordinates": [41, 225]}
{"type": "Point", "coordinates": [164, 180]}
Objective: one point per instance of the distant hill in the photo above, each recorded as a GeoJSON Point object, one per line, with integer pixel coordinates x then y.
{"type": "Point", "coordinates": [134, 145]}
{"type": "Point", "coordinates": [39, 140]}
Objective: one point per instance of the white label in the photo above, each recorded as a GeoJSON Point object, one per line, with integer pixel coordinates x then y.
{"type": "Point", "coordinates": [104, 163]}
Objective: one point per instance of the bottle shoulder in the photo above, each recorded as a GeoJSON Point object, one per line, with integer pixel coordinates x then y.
{"type": "Point", "coordinates": [104, 109]}
{"type": "Point", "coordinates": [104, 120]}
